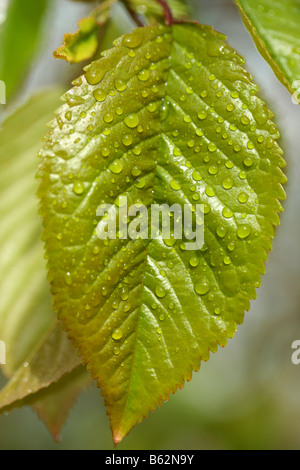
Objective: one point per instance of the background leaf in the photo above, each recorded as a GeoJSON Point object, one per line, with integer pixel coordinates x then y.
{"type": "Point", "coordinates": [26, 314]}
{"type": "Point", "coordinates": [19, 40]}
{"type": "Point", "coordinates": [167, 116]}
{"type": "Point", "coordinates": [274, 26]}
{"type": "Point", "coordinates": [84, 43]}
{"type": "Point", "coordinates": [154, 12]}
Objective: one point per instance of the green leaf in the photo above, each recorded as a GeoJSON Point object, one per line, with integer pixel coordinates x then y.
{"type": "Point", "coordinates": [19, 38]}
{"type": "Point", "coordinates": [26, 314]}
{"type": "Point", "coordinates": [274, 26]}
{"type": "Point", "coordinates": [48, 362]}
{"type": "Point", "coordinates": [154, 11]}
{"type": "Point", "coordinates": [84, 43]}
{"type": "Point", "coordinates": [25, 308]}
{"type": "Point", "coordinates": [54, 403]}
{"type": "Point", "coordinates": [167, 116]}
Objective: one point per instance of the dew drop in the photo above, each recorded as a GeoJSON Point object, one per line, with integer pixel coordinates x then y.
{"type": "Point", "coordinates": [131, 41]}
{"type": "Point", "coordinates": [231, 246]}
{"type": "Point", "coordinates": [152, 107]}
{"type": "Point", "coordinates": [196, 176]}
{"type": "Point", "coordinates": [175, 185]}
{"type": "Point", "coordinates": [194, 262]}
{"type": "Point", "coordinates": [68, 279]}
{"type": "Point", "coordinates": [235, 95]}
{"type": "Point", "coordinates": [99, 95]}
{"type": "Point", "coordinates": [230, 107]}
{"type": "Point", "coordinates": [213, 170]}
{"type": "Point", "coordinates": [117, 334]}
{"type": "Point", "coordinates": [202, 115]}
{"type": "Point", "coordinates": [199, 132]}
{"type": "Point", "coordinates": [127, 307]}
{"type": "Point", "coordinates": [78, 188]}
{"type": "Point", "coordinates": [120, 85]}
{"type": "Point", "coordinates": [164, 111]}
{"type": "Point", "coordinates": [160, 291]}
{"type": "Point", "coordinates": [244, 231]}
{"type": "Point", "coordinates": [127, 140]}
{"type": "Point", "coordinates": [144, 75]}
{"type": "Point", "coordinates": [187, 119]}
{"type": "Point", "coordinates": [202, 288]}
{"type": "Point", "coordinates": [206, 209]}
{"type": "Point", "coordinates": [227, 213]}
{"type": "Point", "coordinates": [227, 183]}
{"type": "Point", "coordinates": [229, 164]}
{"type": "Point", "coordinates": [260, 139]}
{"type": "Point", "coordinates": [226, 260]}
{"type": "Point", "coordinates": [212, 147]}
{"type": "Point", "coordinates": [245, 120]}
{"type": "Point", "coordinates": [221, 231]}
{"type": "Point", "coordinates": [108, 117]}
{"type": "Point", "coordinates": [210, 191]}
{"type": "Point", "coordinates": [261, 118]}
{"type": "Point", "coordinates": [243, 198]}
{"type": "Point", "coordinates": [105, 152]}
{"type": "Point", "coordinates": [132, 121]}
{"type": "Point", "coordinates": [140, 183]}
{"type": "Point", "coordinates": [136, 171]}
{"type": "Point", "coordinates": [116, 166]}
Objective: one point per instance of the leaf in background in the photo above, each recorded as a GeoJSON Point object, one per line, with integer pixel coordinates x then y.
{"type": "Point", "coordinates": [154, 11]}
{"type": "Point", "coordinates": [275, 27]}
{"type": "Point", "coordinates": [167, 116]}
{"type": "Point", "coordinates": [52, 358]}
{"type": "Point", "coordinates": [25, 307]}
{"type": "Point", "coordinates": [19, 39]}
{"type": "Point", "coordinates": [84, 43]}
{"type": "Point", "coordinates": [54, 403]}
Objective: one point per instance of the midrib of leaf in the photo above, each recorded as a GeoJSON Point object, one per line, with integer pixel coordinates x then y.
{"type": "Point", "coordinates": [147, 370]}
{"type": "Point", "coordinates": [160, 135]}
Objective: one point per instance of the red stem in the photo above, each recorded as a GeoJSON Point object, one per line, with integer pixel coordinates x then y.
{"type": "Point", "coordinates": [167, 12]}
{"type": "Point", "coordinates": [133, 14]}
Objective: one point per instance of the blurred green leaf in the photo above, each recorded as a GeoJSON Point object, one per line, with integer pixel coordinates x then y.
{"type": "Point", "coordinates": [26, 315]}
{"type": "Point", "coordinates": [275, 27]}
{"type": "Point", "coordinates": [168, 116]}
{"type": "Point", "coordinates": [52, 358]}
{"type": "Point", "coordinates": [54, 403]}
{"type": "Point", "coordinates": [154, 11]}
{"type": "Point", "coordinates": [84, 43]}
{"type": "Point", "coordinates": [19, 40]}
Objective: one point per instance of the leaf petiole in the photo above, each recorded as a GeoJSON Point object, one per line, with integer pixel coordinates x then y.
{"type": "Point", "coordinates": [167, 12]}
{"type": "Point", "coordinates": [133, 14]}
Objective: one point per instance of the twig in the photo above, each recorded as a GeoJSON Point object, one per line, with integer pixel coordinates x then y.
{"type": "Point", "coordinates": [167, 12]}
{"type": "Point", "coordinates": [133, 14]}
